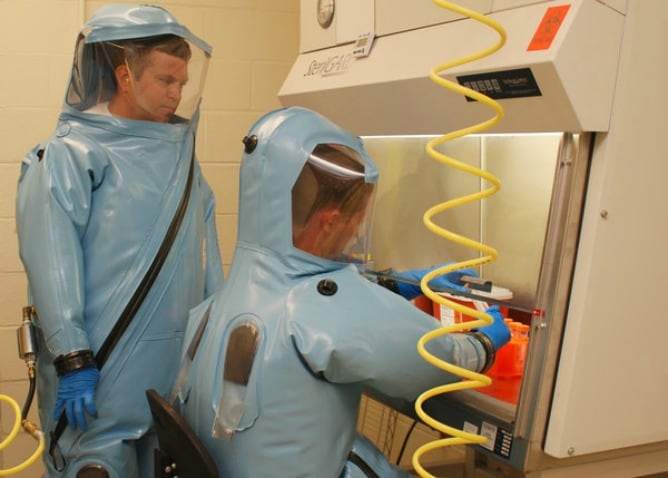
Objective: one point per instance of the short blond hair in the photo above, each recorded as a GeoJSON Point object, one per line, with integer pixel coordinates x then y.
{"type": "Point", "coordinates": [135, 52]}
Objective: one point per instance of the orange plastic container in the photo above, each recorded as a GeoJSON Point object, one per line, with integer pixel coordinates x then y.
{"type": "Point", "coordinates": [510, 358]}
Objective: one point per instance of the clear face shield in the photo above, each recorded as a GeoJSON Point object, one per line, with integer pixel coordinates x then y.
{"type": "Point", "coordinates": [158, 78]}
{"type": "Point", "coordinates": [332, 205]}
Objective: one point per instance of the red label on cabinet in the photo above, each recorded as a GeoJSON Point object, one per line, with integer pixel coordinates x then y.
{"type": "Point", "coordinates": [548, 28]}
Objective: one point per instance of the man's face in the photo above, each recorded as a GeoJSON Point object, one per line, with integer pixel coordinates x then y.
{"type": "Point", "coordinates": [157, 92]}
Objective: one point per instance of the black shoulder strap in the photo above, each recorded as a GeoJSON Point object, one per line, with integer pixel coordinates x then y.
{"type": "Point", "coordinates": [137, 298]}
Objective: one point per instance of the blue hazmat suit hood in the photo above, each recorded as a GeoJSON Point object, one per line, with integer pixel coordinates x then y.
{"type": "Point", "coordinates": [283, 141]}
{"type": "Point", "coordinates": [121, 22]}
{"type": "Point", "coordinates": [130, 27]}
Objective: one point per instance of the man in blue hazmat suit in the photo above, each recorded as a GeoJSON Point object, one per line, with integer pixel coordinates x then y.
{"type": "Point", "coordinates": [117, 235]}
{"type": "Point", "coordinates": [278, 358]}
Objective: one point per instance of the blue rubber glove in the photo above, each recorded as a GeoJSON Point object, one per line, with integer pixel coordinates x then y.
{"type": "Point", "coordinates": [498, 332]}
{"type": "Point", "coordinates": [76, 395]}
{"type": "Point", "coordinates": [449, 280]}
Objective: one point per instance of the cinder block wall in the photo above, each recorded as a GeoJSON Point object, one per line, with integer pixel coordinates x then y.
{"type": "Point", "coordinates": [254, 44]}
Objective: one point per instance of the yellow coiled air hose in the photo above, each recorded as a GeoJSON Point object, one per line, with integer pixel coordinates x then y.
{"type": "Point", "coordinates": [487, 254]}
{"type": "Point", "coordinates": [29, 427]}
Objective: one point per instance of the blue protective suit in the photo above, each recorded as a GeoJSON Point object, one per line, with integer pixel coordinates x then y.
{"type": "Point", "coordinates": [94, 203]}
{"type": "Point", "coordinates": [317, 351]}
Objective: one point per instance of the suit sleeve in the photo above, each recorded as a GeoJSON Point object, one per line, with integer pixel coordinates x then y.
{"type": "Point", "coordinates": [366, 334]}
{"type": "Point", "coordinates": [53, 206]}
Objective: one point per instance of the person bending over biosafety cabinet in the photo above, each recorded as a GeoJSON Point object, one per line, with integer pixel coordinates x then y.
{"type": "Point", "coordinates": [280, 355]}
{"type": "Point", "coordinates": [117, 236]}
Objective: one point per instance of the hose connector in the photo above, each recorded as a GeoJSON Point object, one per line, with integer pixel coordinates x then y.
{"type": "Point", "coordinates": [32, 429]}
{"type": "Point", "coordinates": [27, 342]}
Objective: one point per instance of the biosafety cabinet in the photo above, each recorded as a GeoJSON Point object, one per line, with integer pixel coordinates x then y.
{"type": "Point", "coordinates": [580, 222]}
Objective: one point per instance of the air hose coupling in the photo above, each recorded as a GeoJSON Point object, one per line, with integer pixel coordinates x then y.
{"type": "Point", "coordinates": [25, 336]}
